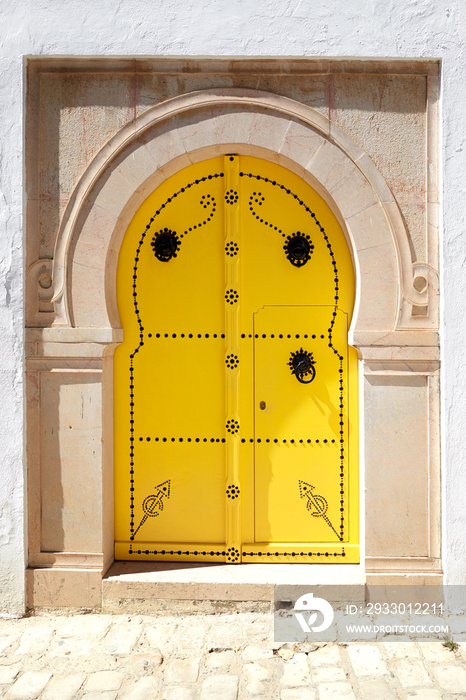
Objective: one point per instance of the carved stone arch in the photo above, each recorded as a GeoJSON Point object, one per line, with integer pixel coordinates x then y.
{"type": "Point", "coordinates": [201, 125]}
{"type": "Point", "coordinates": [74, 327]}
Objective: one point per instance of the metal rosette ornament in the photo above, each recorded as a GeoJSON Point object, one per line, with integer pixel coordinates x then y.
{"type": "Point", "coordinates": [298, 248]}
{"type": "Point", "coordinates": [165, 245]}
{"type": "Point", "coordinates": [302, 365]}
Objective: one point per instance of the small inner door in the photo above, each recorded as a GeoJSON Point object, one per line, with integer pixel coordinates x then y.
{"type": "Point", "coordinates": [300, 424]}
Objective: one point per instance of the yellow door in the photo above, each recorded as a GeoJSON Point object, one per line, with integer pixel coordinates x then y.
{"type": "Point", "coordinates": [235, 390]}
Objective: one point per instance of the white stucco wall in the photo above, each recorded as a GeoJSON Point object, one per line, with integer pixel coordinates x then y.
{"type": "Point", "coordinates": [366, 28]}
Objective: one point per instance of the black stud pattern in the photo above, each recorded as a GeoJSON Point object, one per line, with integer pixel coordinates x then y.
{"type": "Point", "coordinates": [326, 241]}
{"type": "Point", "coordinates": [232, 554]}
{"type": "Point", "coordinates": [208, 201]}
{"type": "Point", "coordinates": [256, 199]}
{"type": "Point", "coordinates": [298, 248]}
{"type": "Point", "coordinates": [295, 554]}
{"type": "Point", "coordinates": [282, 336]}
{"type": "Point", "coordinates": [289, 441]}
{"type": "Point", "coordinates": [232, 249]}
{"type": "Point", "coordinates": [232, 426]}
{"type": "Point", "coordinates": [187, 336]}
{"type": "Point", "coordinates": [165, 245]}
{"type": "Point", "coordinates": [243, 336]}
{"type": "Point", "coordinates": [231, 296]}
{"type": "Point", "coordinates": [211, 440]}
{"type": "Point", "coordinates": [182, 439]}
{"type": "Point", "coordinates": [231, 196]}
{"type": "Point", "coordinates": [178, 552]}
{"type": "Point", "coordinates": [232, 491]}
{"type": "Point", "coordinates": [232, 361]}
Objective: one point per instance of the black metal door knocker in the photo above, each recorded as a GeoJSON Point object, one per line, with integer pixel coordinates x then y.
{"type": "Point", "coordinates": [302, 366]}
{"type": "Point", "coordinates": [298, 248]}
{"type": "Point", "coordinates": [165, 245]}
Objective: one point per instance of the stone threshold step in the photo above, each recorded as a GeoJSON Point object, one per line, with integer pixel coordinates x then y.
{"type": "Point", "coordinates": [175, 587]}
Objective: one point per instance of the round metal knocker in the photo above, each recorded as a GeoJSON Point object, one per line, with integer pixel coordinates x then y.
{"type": "Point", "coordinates": [165, 245]}
{"type": "Point", "coordinates": [302, 366]}
{"type": "Point", "coordinates": [298, 248]}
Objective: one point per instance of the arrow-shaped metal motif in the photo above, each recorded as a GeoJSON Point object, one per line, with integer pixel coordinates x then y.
{"type": "Point", "coordinates": [315, 503]}
{"type": "Point", "coordinates": [153, 505]}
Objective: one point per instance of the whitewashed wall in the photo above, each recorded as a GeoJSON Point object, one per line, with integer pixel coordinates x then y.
{"type": "Point", "coordinates": [365, 28]}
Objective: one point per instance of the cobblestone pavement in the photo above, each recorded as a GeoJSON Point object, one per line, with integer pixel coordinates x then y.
{"type": "Point", "coordinates": [211, 657]}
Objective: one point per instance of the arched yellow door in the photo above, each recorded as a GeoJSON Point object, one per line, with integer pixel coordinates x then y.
{"type": "Point", "coordinates": [235, 390]}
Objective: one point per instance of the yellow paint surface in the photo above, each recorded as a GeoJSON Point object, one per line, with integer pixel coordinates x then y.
{"type": "Point", "coordinates": [203, 470]}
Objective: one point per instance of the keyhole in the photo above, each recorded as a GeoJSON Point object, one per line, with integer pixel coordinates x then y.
{"type": "Point", "coordinates": [262, 405]}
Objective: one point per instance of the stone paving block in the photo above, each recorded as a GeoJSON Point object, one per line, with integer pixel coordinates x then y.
{"type": "Point", "coordinates": [328, 674]}
{"type": "Point", "coordinates": [6, 641]}
{"type": "Point", "coordinates": [298, 694]}
{"type": "Point", "coordinates": [189, 642]}
{"type": "Point", "coordinates": [145, 663]}
{"type": "Point", "coordinates": [255, 677]}
{"type": "Point", "coordinates": [371, 689]}
{"type": "Point", "coordinates": [63, 688]}
{"type": "Point", "coordinates": [336, 691]}
{"type": "Point", "coordinates": [94, 626]}
{"type": "Point", "coordinates": [159, 636]}
{"type": "Point", "coordinates": [254, 622]}
{"type": "Point", "coordinates": [35, 640]}
{"type": "Point", "coordinates": [451, 678]}
{"type": "Point", "coordinates": [28, 686]}
{"type": "Point", "coordinates": [145, 689]}
{"type": "Point", "coordinates": [176, 693]}
{"type": "Point", "coordinates": [401, 649]}
{"type": "Point", "coordinates": [69, 647]}
{"type": "Point", "coordinates": [255, 653]}
{"type": "Point", "coordinates": [227, 633]}
{"type": "Point", "coordinates": [366, 660]}
{"type": "Point", "coordinates": [425, 694]}
{"type": "Point", "coordinates": [104, 680]}
{"type": "Point", "coordinates": [121, 638]}
{"type": "Point", "coordinates": [435, 652]}
{"type": "Point", "coordinates": [296, 672]}
{"type": "Point", "coordinates": [328, 654]}
{"type": "Point", "coordinates": [257, 689]}
{"type": "Point", "coordinates": [180, 671]}
{"type": "Point", "coordinates": [224, 642]}
{"type": "Point", "coordinates": [219, 688]}
{"type": "Point", "coordinates": [200, 623]}
{"type": "Point", "coordinates": [9, 673]}
{"type": "Point", "coordinates": [411, 673]}
{"type": "Point", "coordinates": [108, 695]}
{"type": "Point", "coordinates": [254, 671]}
{"type": "Point", "coordinates": [221, 659]}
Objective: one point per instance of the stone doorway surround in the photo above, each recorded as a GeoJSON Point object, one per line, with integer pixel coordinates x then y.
{"type": "Point", "coordinates": [101, 135]}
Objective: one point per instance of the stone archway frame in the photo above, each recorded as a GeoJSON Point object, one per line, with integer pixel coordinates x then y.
{"type": "Point", "coordinates": [76, 294]}
{"type": "Point", "coordinates": [199, 125]}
